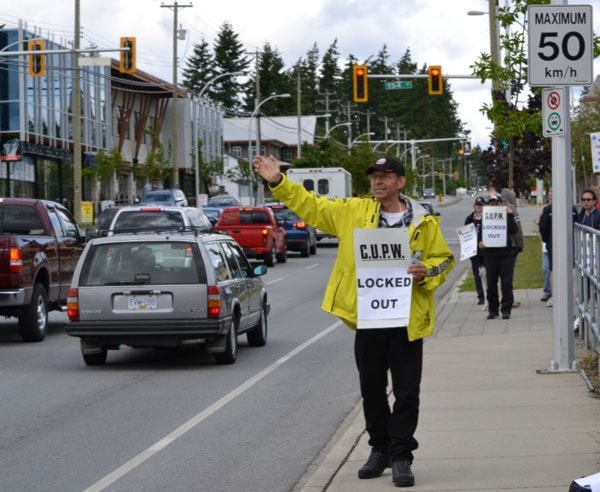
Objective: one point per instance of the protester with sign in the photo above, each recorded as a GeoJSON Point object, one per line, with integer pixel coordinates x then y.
{"type": "Point", "coordinates": [477, 260]}
{"type": "Point", "coordinates": [498, 225]}
{"type": "Point", "coordinates": [398, 349]}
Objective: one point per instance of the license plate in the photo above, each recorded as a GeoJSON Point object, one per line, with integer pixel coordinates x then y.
{"type": "Point", "coordinates": [142, 303]}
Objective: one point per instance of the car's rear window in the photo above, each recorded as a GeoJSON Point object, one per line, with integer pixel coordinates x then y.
{"type": "Point", "coordinates": [156, 197]}
{"type": "Point", "coordinates": [254, 217]}
{"type": "Point", "coordinates": [147, 263]}
{"type": "Point", "coordinates": [134, 220]}
{"type": "Point", "coordinates": [20, 219]}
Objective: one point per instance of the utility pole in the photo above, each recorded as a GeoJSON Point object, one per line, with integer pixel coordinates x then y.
{"type": "Point", "coordinates": [174, 143]}
{"type": "Point", "coordinates": [299, 110]}
{"type": "Point", "coordinates": [77, 119]}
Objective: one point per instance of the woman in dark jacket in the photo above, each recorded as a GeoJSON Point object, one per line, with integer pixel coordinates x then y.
{"type": "Point", "coordinates": [477, 260]}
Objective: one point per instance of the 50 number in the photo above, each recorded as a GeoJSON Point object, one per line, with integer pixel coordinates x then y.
{"type": "Point", "coordinates": [546, 41]}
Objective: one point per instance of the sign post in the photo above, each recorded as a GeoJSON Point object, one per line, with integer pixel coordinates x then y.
{"type": "Point", "coordinates": [560, 54]}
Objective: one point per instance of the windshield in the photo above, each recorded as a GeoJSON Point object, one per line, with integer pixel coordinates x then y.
{"type": "Point", "coordinates": [143, 220]}
{"type": "Point", "coordinates": [156, 197]}
{"type": "Point", "coordinates": [222, 201]}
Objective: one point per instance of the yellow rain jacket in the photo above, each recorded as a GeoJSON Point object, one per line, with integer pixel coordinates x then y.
{"type": "Point", "coordinates": [340, 217]}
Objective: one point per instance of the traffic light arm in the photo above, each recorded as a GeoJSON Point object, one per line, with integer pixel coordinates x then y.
{"type": "Point", "coordinates": [52, 52]}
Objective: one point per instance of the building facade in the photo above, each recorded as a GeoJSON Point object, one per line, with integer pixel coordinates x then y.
{"type": "Point", "coordinates": [128, 113]}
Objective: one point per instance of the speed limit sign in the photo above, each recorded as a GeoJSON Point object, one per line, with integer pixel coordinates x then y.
{"type": "Point", "coordinates": [560, 45]}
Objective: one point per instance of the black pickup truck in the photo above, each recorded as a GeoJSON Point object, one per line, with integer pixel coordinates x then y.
{"type": "Point", "coordinates": [40, 245]}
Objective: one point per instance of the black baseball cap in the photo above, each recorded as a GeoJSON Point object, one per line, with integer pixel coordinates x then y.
{"type": "Point", "coordinates": [479, 200]}
{"type": "Point", "coordinates": [496, 198]}
{"type": "Point", "coordinates": [387, 165]}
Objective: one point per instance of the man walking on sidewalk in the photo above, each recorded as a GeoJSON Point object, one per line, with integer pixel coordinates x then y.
{"type": "Point", "coordinates": [378, 350]}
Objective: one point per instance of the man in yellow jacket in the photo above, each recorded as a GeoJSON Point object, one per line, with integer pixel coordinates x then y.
{"type": "Point", "coordinates": [377, 350]}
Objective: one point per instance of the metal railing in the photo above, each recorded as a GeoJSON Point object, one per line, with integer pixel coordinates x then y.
{"type": "Point", "coordinates": [586, 255]}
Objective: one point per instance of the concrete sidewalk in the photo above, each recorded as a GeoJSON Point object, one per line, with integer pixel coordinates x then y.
{"type": "Point", "coordinates": [492, 417]}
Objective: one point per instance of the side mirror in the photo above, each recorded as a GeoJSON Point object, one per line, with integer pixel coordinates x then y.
{"type": "Point", "coordinates": [259, 270]}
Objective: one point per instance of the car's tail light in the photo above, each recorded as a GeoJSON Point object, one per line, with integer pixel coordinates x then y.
{"type": "Point", "coordinates": [16, 260]}
{"type": "Point", "coordinates": [299, 224]}
{"type": "Point", "coordinates": [265, 234]}
{"type": "Point", "coordinates": [73, 305]}
{"type": "Point", "coordinates": [214, 302]}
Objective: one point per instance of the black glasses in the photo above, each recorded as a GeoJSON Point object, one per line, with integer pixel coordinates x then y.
{"type": "Point", "coordinates": [587, 199]}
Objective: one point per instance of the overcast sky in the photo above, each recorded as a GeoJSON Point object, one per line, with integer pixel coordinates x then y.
{"type": "Point", "coordinates": [437, 32]}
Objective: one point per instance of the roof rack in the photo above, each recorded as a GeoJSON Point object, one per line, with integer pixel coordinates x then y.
{"type": "Point", "coordinates": [150, 230]}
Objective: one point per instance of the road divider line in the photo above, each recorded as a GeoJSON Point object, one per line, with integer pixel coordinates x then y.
{"type": "Point", "coordinates": [274, 281]}
{"type": "Point", "coordinates": [314, 265]}
{"type": "Point", "coordinates": [197, 419]}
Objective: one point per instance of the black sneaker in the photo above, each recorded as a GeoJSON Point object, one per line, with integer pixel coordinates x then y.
{"type": "Point", "coordinates": [481, 301]}
{"type": "Point", "coordinates": [492, 316]}
{"type": "Point", "coordinates": [545, 297]}
{"type": "Point", "coordinates": [401, 474]}
{"type": "Point", "coordinates": [505, 316]}
{"type": "Point", "coordinates": [375, 465]}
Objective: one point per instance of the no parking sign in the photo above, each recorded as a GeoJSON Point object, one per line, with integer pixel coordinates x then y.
{"type": "Point", "coordinates": [553, 111]}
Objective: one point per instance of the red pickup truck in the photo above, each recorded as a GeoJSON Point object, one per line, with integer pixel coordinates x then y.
{"type": "Point", "coordinates": [40, 245]}
{"type": "Point", "coordinates": [257, 232]}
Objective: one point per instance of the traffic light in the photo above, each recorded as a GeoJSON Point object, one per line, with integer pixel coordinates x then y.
{"type": "Point", "coordinates": [127, 60]}
{"type": "Point", "coordinates": [37, 62]}
{"type": "Point", "coordinates": [360, 87]}
{"type": "Point", "coordinates": [441, 175]}
{"type": "Point", "coordinates": [461, 151]}
{"type": "Point", "coordinates": [435, 83]}
{"type": "Point", "coordinates": [455, 175]}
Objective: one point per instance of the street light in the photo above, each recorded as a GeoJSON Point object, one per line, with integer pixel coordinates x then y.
{"type": "Point", "coordinates": [195, 135]}
{"type": "Point", "coordinates": [254, 113]}
{"type": "Point", "coordinates": [358, 138]}
{"type": "Point", "coordinates": [336, 126]}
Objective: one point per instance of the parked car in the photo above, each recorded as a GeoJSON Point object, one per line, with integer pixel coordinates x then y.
{"type": "Point", "coordinates": [166, 290]}
{"type": "Point", "coordinates": [257, 231]}
{"type": "Point", "coordinates": [153, 218]}
{"type": "Point", "coordinates": [170, 196]}
{"type": "Point", "coordinates": [222, 201]}
{"type": "Point", "coordinates": [299, 235]}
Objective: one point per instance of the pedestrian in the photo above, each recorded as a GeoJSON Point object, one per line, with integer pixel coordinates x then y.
{"type": "Point", "coordinates": [546, 263]}
{"type": "Point", "coordinates": [477, 260]}
{"type": "Point", "coordinates": [516, 241]}
{"type": "Point", "coordinates": [378, 350]}
{"type": "Point", "coordinates": [545, 227]}
{"type": "Point", "coordinates": [589, 215]}
{"type": "Point", "coordinates": [499, 264]}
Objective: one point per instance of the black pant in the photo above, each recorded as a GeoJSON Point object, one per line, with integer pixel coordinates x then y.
{"type": "Point", "coordinates": [476, 262]}
{"type": "Point", "coordinates": [376, 351]}
{"type": "Point", "coordinates": [500, 266]}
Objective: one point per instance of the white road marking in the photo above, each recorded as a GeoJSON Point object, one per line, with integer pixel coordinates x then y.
{"type": "Point", "coordinates": [274, 281]}
{"type": "Point", "coordinates": [314, 265]}
{"type": "Point", "coordinates": [197, 419]}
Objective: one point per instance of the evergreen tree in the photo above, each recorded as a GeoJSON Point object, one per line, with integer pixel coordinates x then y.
{"type": "Point", "coordinates": [273, 80]}
{"type": "Point", "coordinates": [229, 56]}
{"type": "Point", "coordinates": [199, 69]}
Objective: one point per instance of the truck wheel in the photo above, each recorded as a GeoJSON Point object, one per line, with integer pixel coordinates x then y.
{"type": "Point", "coordinates": [313, 246]}
{"type": "Point", "coordinates": [93, 355]}
{"type": "Point", "coordinates": [231, 346]}
{"type": "Point", "coordinates": [305, 251]}
{"type": "Point", "coordinates": [282, 257]}
{"type": "Point", "coordinates": [33, 321]}
{"type": "Point", "coordinates": [270, 258]}
{"type": "Point", "coordinates": [257, 336]}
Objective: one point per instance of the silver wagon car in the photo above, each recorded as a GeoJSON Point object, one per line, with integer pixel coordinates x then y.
{"type": "Point", "coordinates": [166, 290]}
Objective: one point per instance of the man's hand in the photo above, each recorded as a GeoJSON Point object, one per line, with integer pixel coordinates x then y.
{"type": "Point", "coordinates": [268, 168]}
{"type": "Point", "coordinates": [418, 271]}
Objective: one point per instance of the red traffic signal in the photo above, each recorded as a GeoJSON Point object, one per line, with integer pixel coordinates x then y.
{"type": "Point", "coordinates": [360, 88]}
{"type": "Point", "coordinates": [435, 83]}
